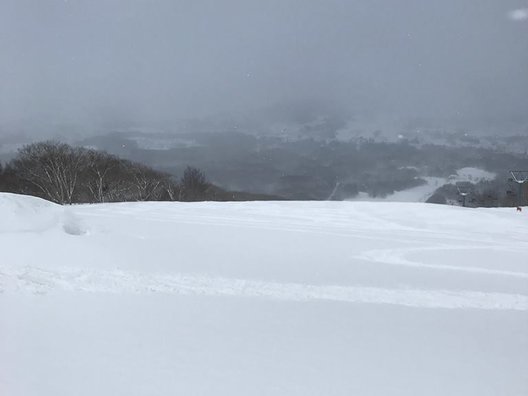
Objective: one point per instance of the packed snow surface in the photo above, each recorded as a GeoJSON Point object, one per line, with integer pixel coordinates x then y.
{"type": "Point", "coordinates": [263, 298]}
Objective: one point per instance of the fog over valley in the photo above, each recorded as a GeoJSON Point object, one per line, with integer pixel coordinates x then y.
{"type": "Point", "coordinates": [91, 67]}
{"type": "Point", "coordinates": [281, 99]}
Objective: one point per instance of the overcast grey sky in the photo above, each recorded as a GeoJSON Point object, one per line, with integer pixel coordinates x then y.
{"type": "Point", "coordinates": [148, 60]}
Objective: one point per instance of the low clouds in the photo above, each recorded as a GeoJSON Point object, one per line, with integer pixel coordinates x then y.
{"type": "Point", "coordinates": [98, 62]}
{"type": "Point", "coordinates": [518, 15]}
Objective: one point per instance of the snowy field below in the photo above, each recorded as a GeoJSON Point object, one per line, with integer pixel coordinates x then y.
{"type": "Point", "coordinates": [262, 298]}
{"type": "Point", "coordinates": [423, 192]}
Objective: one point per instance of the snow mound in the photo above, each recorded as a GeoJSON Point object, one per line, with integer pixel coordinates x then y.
{"type": "Point", "coordinates": [72, 224]}
{"type": "Point", "coordinates": [24, 213]}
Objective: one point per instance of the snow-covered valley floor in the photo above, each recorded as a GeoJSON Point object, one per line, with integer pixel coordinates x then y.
{"type": "Point", "coordinates": [263, 298]}
{"type": "Point", "coordinates": [423, 192]}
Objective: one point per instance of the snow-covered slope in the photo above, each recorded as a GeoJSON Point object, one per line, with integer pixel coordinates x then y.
{"type": "Point", "coordinates": [423, 192]}
{"type": "Point", "coordinates": [267, 298]}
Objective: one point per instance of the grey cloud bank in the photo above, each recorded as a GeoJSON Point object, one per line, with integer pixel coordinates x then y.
{"type": "Point", "coordinates": [96, 63]}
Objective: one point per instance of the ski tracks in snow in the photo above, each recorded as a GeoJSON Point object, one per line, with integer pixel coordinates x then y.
{"type": "Point", "coordinates": [398, 257]}
{"type": "Point", "coordinates": [40, 281]}
{"type": "Point", "coordinates": [341, 224]}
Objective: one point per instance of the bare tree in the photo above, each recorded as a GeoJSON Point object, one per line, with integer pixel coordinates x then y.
{"type": "Point", "coordinates": [65, 174]}
{"type": "Point", "coordinates": [171, 190]}
{"type": "Point", "coordinates": [107, 178]}
{"type": "Point", "coordinates": [97, 170]}
{"type": "Point", "coordinates": [53, 168]}
{"type": "Point", "coordinates": [147, 183]}
{"type": "Point", "coordinates": [193, 185]}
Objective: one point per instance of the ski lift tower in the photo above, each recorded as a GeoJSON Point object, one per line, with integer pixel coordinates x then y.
{"type": "Point", "coordinates": [463, 191]}
{"type": "Point", "coordinates": [520, 177]}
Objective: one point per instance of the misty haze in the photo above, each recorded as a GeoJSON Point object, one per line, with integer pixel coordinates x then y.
{"type": "Point", "coordinates": [93, 66]}
{"type": "Point", "coordinates": [295, 197]}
